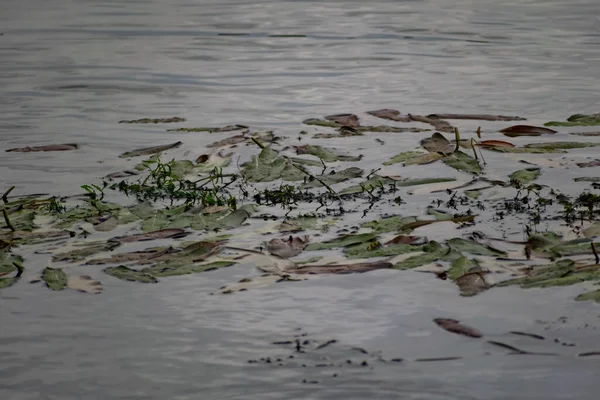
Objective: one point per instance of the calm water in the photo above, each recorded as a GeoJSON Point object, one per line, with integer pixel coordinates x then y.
{"type": "Point", "coordinates": [69, 70]}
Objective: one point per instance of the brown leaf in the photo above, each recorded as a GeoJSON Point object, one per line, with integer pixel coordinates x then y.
{"type": "Point", "coordinates": [153, 120]}
{"type": "Point", "coordinates": [350, 120]}
{"type": "Point", "coordinates": [454, 326]}
{"type": "Point", "coordinates": [495, 143]}
{"type": "Point", "coordinates": [438, 124]}
{"type": "Point", "coordinates": [137, 256]}
{"type": "Point", "coordinates": [150, 150]}
{"type": "Point", "coordinates": [172, 233]}
{"type": "Point", "coordinates": [426, 158]}
{"type": "Point", "coordinates": [388, 113]}
{"type": "Point", "coordinates": [472, 283]}
{"type": "Point", "coordinates": [229, 141]}
{"type": "Point", "coordinates": [593, 163]}
{"type": "Point", "coordinates": [340, 268]}
{"type": "Point", "coordinates": [526, 130]}
{"type": "Point", "coordinates": [50, 147]}
{"type": "Point", "coordinates": [405, 239]}
{"type": "Point", "coordinates": [585, 133]}
{"type": "Point", "coordinates": [483, 117]}
{"type": "Point", "coordinates": [286, 248]}
{"type": "Point", "coordinates": [85, 284]}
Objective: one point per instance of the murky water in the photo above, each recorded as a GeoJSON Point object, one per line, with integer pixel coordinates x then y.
{"type": "Point", "coordinates": [70, 70]}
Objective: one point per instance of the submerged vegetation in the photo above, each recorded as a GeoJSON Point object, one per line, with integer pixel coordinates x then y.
{"type": "Point", "coordinates": [486, 230]}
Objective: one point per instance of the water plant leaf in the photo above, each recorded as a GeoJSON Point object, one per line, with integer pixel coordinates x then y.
{"type": "Point", "coordinates": [21, 220]}
{"type": "Point", "coordinates": [8, 282]}
{"type": "Point", "coordinates": [526, 130]}
{"type": "Point", "coordinates": [334, 178]}
{"type": "Point", "coordinates": [325, 153]}
{"type": "Point", "coordinates": [592, 230]}
{"type": "Point", "coordinates": [438, 143]}
{"type": "Point", "coordinates": [7, 263]}
{"type": "Point", "coordinates": [494, 143]}
{"type": "Point", "coordinates": [108, 224]}
{"type": "Point", "coordinates": [159, 234]}
{"type": "Point", "coordinates": [468, 246]}
{"type": "Point", "coordinates": [341, 268]}
{"type": "Point", "coordinates": [461, 266]}
{"type": "Point", "coordinates": [395, 223]}
{"type": "Point", "coordinates": [227, 128]}
{"type": "Point", "coordinates": [573, 248]}
{"type": "Point", "coordinates": [229, 141]}
{"type": "Point", "coordinates": [124, 273]}
{"type": "Point", "coordinates": [55, 278]}
{"type": "Point", "coordinates": [321, 122]}
{"type": "Point", "coordinates": [404, 156]}
{"type": "Point", "coordinates": [138, 257]}
{"type": "Point", "coordinates": [526, 176]}
{"type": "Point", "coordinates": [150, 150]}
{"type": "Point", "coordinates": [454, 326]}
{"type": "Point", "coordinates": [79, 254]}
{"type": "Point", "coordinates": [588, 164]}
{"type": "Point", "coordinates": [388, 113]}
{"type": "Point", "coordinates": [462, 162]}
{"type": "Point", "coordinates": [212, 161]}
{"type": "Point", "coordinates": [342, 241]}
{"type": "Point", "coordinates": [350, 120]}
{"type": "Point", "coordinates": [176, 267]}
{"type": "Point", "coordinates": [597, 133]}
{"type": "Point", "coordinates": [437, 123]}
{"type": "Point", "coordinates": [424, 159]}
{"type": "Point", "coordinates": [167, 120]}
{"type": "Point", "coordinates": [50, 147]}
{"type": "Point", "coordinates": [370, 250]}
{"type": "Point", "coordinates": [471, 284]}
{"type": "Point", "coordinates": [269, 166]}
{"type": "Point", "coordinates": [433, 251]}
{"type": "Point", "coordinates": [588, 178]}
{"type": "Point", "coordinates": [396, 182]}
{"type": "Point", "coordinates": [84, 284]}
{"type": "Point", "coordinates": [589, 296]}
{"type": "Point", "coordinates": [561, 145]}
{"type": "Point", "coordinates": [288, 247]}
{"type": "Point", "coordinates": [523, 150]}
{"type": "Point", "coordinates": [482, 117]}
{"type": "Point", "coordinates": [577, 120]}
{"type": "Point", "coordinates": [298, 224]}
{"type": "Point", "coordinates": [389, 129]}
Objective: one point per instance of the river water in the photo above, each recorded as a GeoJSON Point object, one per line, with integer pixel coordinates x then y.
{"type": "Point", "coordinates": [70, 70]}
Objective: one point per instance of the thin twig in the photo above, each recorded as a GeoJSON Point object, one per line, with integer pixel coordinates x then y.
{"type": "Point", "coordinates": [457, 137]}
{"type": "Point", "coordinates": [259, 144]}
{"type": "Point", "coordinates": [595, 253]}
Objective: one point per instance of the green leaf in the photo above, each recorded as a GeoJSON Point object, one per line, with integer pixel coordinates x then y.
{"type": "Point", "coordinates": [363, 251]}
{"type": "Point", "coordinates": [333, 178]}
{"type": "Point", "coordinates": [173, 268]}
{"type": "Point", "coordinates": [468, 246]}
{"type": "Point", "coordinates": [8, 282]}
{"type": "Point", "coordinates": [433, 252]}
{"type": "Point", "coordinates": [150, 150]}
{"type": "Point", "coordinates": [461, 266]}
{"type": "Point", "coordinates": [522, 150]}
{"type": "Point", "coordinates": [390, 224]}
{"type": "Point", "coordinates": [54, 278]}
{"type": "Point", "coordinates": [577, 120]}
{"type": "Point", "coordinates": [525, 176]}
{"type": "Point", "coordinates": [325, 153]}
{"type": "Point", "coordinates": [404, 156]}
{"type": "Point", "coordinates": [7, 262]}
{"type": "Point", "coordinates": [462, 162]}
{"type": "Point", "coordinates": [83, 252]}
{"type": "Point", "coordinates": [128, 274]}
{"type": "Point", "coordinates": [592, 230]}
{"type": "Point", "coordinates": [574, 247]}
{"type": "Point", "coordinates": [438, 143]}
{"type": "Point", "coordinates": [342, 241]}
{"type": "Point", "coordinates": [589, 296]}
{"type": "Point", "coordinates": [560, 145]}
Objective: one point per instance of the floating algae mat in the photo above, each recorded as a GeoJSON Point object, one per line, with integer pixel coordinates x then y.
{"type": "Point", "coordinates": [296, 208]}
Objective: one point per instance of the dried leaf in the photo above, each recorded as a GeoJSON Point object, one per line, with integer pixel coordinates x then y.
{"type": "Point", "coordinates": [350, 120]}
{"type": "Point", "coordinates": [153, 120]}
{"type": "Point", "coordinates": [482, 117]}
{"type": "Point", "coordinates": [50, 147]}
{"type": "Point", "coordinates": [526, 130]}
{"type": "Point", "coordinates": [85, 284]}
{"type": "Point", "coordinates": [494, 143]}
{"type": "Point", "coordinates": [387, 113]}
{"type": "Point", "coordinates": [289, 247]}
{"type": "Point", "coordinates": [454, 326]}
{"type": "Point", "coordinates": [150, 150]}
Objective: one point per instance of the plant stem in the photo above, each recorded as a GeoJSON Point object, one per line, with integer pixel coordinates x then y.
{"type": "Point", "coordinates": [595, 253]}
{"type": "Point", "coordinates": [10, 226]}
{"type": "Point", "coordinates": [259, 144]}
{"type": "Point", "coordinates": [457, 137]}
{"type": "Point", "coordinates": [5, 195]}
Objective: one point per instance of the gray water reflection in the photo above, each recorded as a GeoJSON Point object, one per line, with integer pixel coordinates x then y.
{"type": "Point", "coordinates": [70, 70]}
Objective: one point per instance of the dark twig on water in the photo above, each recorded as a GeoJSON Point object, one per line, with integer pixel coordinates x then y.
{"type": "Point", "coordinates": [5, 195]}
{"type": "Point", "coordinates": [10, 226]}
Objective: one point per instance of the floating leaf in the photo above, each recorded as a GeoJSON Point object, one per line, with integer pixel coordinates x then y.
{"type": "Point", "coordinates": [325, 153]}
{"type": "Point", "coordinates": [424, 159]}
{"type": "Point", "coordinates": [394, 223]}
{"type": "Point", "coordinates": [468, 246]}
{"type": "Point", "coordinates": [577, 120]}
{"type": "Point", "coordinates": [108, 224]}
{"type": "Point", "coordinates": [84, 284]}
{"type": "Point", "coordinates": [153, 120]}
{"type": "Point", "coordinates": [462, 162]}
{"type": "Point", "coordinates": [588, 164]}
{"type": "Point", "coordinates": [433, 252]}
{"type": "Point", "coordinates": [227, 128]}
{"type": "Point", "coordinates": [150, 150]}
{"type": "Point", "coordinates": [525, 176]}
{"type": "Point", "coordinates": [321, 122]}
{"type": "Point", "coordinates": [437, 123]}
{"type": "Point", "coordinates": [393, 115]}
{"type": "Point", "coordinates": [54, 278]}
{"type": "Point", "coordinates": [574, 248]}
{"type": "Point", "coordinates": [341, 268]}
{"type": "Point", "coordinates": [471, 284]}
{"type": "Point", "coordinates": [334, 178]}
{"type": "Point", "coordinates": [588, 178]}
{"type": "Point", "coordinates": [127, 274]}
{"type": "Point", "coordinates": [404, 156]}
{"type": "Point", "coordinates": [175, 267]}
{"type": "Point", "coordinates": [454, 326]}
{"type": "Point", "coordinates": [494, 143]}
{"type": "Point", "coordinates": [342, 241]}
{"type": "Point", "coordinates": [526, 130]}
{"type": "Point", "coordinates": [592, 230]}
{"type": "Point", "coordinates": [50, 147]}
{"type": "Point", "coordinates": [523, 150]}
{"type": "Point", "coordinates": [374, 249]}
{"type": "Point", "coordinates": [438, 143]}
{"type": "Point", "coordinates": [269, 166]}
{"type": "Point", "coordinates": [298, 224]}
{"type": "Point", "coordinates": [159, 234]}
{"type": "Point", "coordinates": [483, 117]}
{"type": "Point", "coordinates": [83, 252]}
{"type": "Point", "coordinates": [350, 120]}
{"type": "Point", "coordinates": [585, 133]}
{"type": "Point", "coordinates": [461, 266]}
{"type": "Point", "coordinates": [389, 129]}
{"type": "Point", "coordinates": [560, 145]}
{"type": "Point", "coordinates": [287, 248]}
{"type": "Point", "coordinates": [589, 296]}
